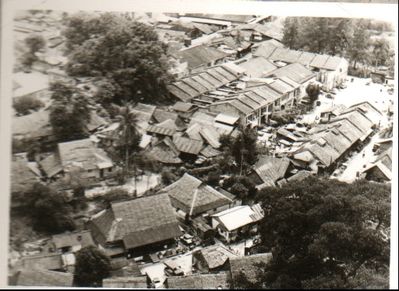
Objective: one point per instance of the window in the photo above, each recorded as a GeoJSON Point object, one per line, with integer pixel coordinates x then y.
{"type": "Point", "coordinates": [89, 171]}
{"type": "Point", "coordinates": [109, 169]}
{"type": "Point", "coordinates": [340, 70]}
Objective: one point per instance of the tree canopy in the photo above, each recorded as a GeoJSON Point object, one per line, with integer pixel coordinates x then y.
{"type": "Point", "coordinates": [91, 267]}
{"type": "Point", "coordinates": [49, 210]}
{"type": "Point", "coordinates": [350, 38]}
{"type": "Point", "coordinates": [127, 53]}
{"type": "Point", "coordinates": [322, 230]}
{"type": "Point", "coordinates": [240, 152]}
{"type": "Point", "coordinates": [69, 112]}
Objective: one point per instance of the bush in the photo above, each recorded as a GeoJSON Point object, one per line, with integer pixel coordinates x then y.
{"type": "Point", "coordinates": [214, 178]}
{"type": "Point", "coordinates": [24, 105]}
{"type": "Point", "coordinates": [359, 72]}
{"type": "Point", "coordinates": [115, 195]}
{"type": "Point", "coordinates": [313, 92]}
{"type": "Point", "coordinates": [28, 59]}
{"type": "Point", "coordinates": [168, 177]}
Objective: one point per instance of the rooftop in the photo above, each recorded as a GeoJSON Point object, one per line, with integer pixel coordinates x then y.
{"type": "Point", "coordinates": [239, 216]}
{"type": "Point", "coordinates": [193, 196]}
{"type": "Point", "coordinates": [139, 221]}
{"type": "Point", "coordinates": [200, 281]}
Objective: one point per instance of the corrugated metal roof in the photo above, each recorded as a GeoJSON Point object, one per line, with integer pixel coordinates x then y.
{"type": "Point", "coordinates": [306, 58]}
{"type": "Point", "coordinates": [187, 145]}
{"type": "Point", "coordinates": [257, 67]}
{"type": "Point", "coordinates": [228, 119]}
{"type": "Point", "coordinates": [296, 72]}
{"type": "Point", "coordinates": [281, 86]}
{"type": "Point", "coordinates": [333, 63]}
{"type": "Point", "coordinates": [160, 130]}
{"type": "Point", "coordinates": [202, 82]}
{"type": "Point", "coordinates": [319, 61]}
{"type": "Point", "coordinates": [200, 55]}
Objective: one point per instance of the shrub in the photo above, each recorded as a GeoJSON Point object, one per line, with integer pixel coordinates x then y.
{"type": "Point", "coordinates": [168, 177]}
{"type": "Point", "coordinates": [24, 105]}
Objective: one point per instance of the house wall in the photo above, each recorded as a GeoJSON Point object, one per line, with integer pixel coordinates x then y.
{"type": "Point", "coordinates": [375, 174]}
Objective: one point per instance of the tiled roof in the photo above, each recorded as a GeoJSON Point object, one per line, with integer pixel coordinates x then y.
{"type": "Point", "coordinates": [187, 145]}
{"type": "Point", "coordinates": [248, 265]}
{"type": "Point", "coordinates": [38, 277]}
{"type": "Point", "coordinates": [162, 115]}
{"type": "Point", "coordinates": [202, 82]}
{"type": "Point", "coordinates": [200, 55]}
{"type": "Point", "coordinates": [139, 221]}
{"type": "Point", "coordinates": [192, 195]}
{"type": "Point", "coordinates": [200, 281]}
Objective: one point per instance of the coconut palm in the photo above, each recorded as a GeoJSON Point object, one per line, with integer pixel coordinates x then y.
{"type": "Point", "coordinates": [128, 134]}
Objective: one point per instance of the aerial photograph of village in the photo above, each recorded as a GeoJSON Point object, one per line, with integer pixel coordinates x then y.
{"type": "Point", "coordinates": [195, 151]}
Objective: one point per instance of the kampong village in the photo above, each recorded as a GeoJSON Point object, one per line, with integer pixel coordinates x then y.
{"type": "Point", "coordinates": [195, 151]}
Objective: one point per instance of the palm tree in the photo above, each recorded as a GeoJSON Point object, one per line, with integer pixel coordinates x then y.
{"type": "Point", "coordinates": [128, 134]}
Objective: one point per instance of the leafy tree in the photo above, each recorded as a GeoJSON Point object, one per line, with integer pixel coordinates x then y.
{"type": "Point", "coordinates": [242, 148]}
{"type": "Point", "coordinates": [35, 43]}
{"type": "Point", "coordinates": [69, 113]}
{"type": "Point", "coordinates": [49, 210]}
{"type": "Point", "coordinates": [127, 53]}
{"type": "Point", "coordinates": [242, 186]}
{"type": "Point", "coordinates": [381, 52]}
{"type": "Point", "coordinates": [340, 36]}
{"type": "Point", "coordinates": [28, 59]}
{"type": "Point", "coordinates": [25, 104]}
{"type": "Point", "coordinates": [320, 234]}
{"type": "Point", "coordinates": [115, 195]}
{"type": "Point", "coordinates": [291, 32]}
{"type": "Point", "coordinates": [359, 45]}
{"type": "Point", "coordinates": [129, 138]}
{"type": "Point", "coordinates": [168, 177]}
{"type": "Point", "coordinates": [214, 178]}
{"type": "Point", "coordinates": [313, 92]}
{"type": "Point", "coordinates": [91, 267]}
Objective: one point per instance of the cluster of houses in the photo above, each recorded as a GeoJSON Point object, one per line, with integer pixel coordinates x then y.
{"type": "Point", "coordinates": [149, 229]}
{"type": "Point", "coordinates": [231, 72]}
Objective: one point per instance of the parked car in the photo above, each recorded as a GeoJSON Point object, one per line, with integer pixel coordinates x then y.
{"type": "Point", "coordinates": [187, 239]}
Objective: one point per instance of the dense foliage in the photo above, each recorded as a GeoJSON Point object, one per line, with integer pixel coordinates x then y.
{"type": "Point", "coordinates": [350, 38]}
{"type": "Point", "coordinates": [91, 267]}
{"type": "Point", "coordinates": [69, 112]}
{"type": "Point", "coordinates": [48, 209]}
{"type": "Point", "coordinates": [325, 233]}
{"type": "Point", "coordinates": [240, 152]}
{"type": "Point", "coordinates": [34, 43]}
{"type": "Point", "coordinates": [24, 105]}
{"type": "Point", "coordinates": [127, 53]}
